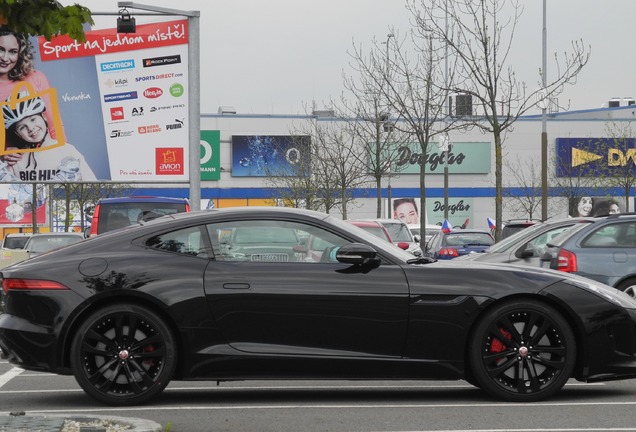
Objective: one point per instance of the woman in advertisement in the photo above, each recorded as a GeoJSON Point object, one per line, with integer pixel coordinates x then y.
{"type": "Point", "coordinates": [17, 65]}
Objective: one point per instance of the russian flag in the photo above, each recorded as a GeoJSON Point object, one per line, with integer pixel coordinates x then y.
{"type": "Point", "coordinates": [491, 224]}
{"type": "Point", "coordinates": [446, 227]}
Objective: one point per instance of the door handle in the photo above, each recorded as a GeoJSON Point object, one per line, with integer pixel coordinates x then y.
{"type": "Point", "coordinates": [236, 286]}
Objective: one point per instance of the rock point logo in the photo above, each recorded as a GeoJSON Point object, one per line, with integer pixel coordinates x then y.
{"type": "Point", "coordinates": [161, 61]}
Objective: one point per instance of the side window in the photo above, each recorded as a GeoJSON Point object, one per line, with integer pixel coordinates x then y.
{"type": "Point", "coordinates": [187, 241]}
{"type": "Point", "coordinates": [272, 241]}
{"type": "Point", "coordinates": [538, 244]}
{"type": "Point", "coordinates": [611, 235]}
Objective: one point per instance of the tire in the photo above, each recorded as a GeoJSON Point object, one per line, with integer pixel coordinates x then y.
{"type": "Point", "coordinates": [522, 351]}
{"type": "Point", "coordinates": [628, 287]}
{"type": "Point", "coordinates": [116, 369]}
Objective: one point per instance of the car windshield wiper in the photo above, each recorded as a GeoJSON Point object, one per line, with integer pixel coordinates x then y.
{"type": "Point", "coordinates": [421, 260]}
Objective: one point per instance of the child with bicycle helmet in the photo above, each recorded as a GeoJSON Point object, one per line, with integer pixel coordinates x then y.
{"type": "Point", "coordinates": [39, 156]}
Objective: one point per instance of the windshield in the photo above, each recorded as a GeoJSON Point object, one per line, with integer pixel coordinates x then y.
{"type": "Point", "coordinates": [466, 239]}
{"type": "Point", "coordinates": [561, 238]}
{"type": "Point", "coordinates": [376, 242]}
{"type": "Point", "coordinates": [398, 232]}
{"type": "Point", "coordinates": [513, 240]}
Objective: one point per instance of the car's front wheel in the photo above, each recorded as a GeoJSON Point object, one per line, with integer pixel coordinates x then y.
{"type": "Point", "coordinates": [522, 351]}
{"type": "Point", "coordinates": [123, 355]}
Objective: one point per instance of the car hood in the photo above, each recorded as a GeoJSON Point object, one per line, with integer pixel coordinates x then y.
{"type": "Point", "coordinates": [466, 277]}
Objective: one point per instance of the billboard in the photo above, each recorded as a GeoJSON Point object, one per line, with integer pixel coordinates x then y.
{"type": "Point", "coordinates": [591, 156]}
{"type": "Point", "coordinates": [463, 158]}
{"type": "Point", "coordinates": [270, 155]}
{"type": "Point", "coordinates": [112, 108]}
{"type": "Point", "coordinates": [210, 155]}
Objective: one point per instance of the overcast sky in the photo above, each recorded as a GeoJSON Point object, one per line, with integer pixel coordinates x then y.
{"type": "Point", "coordinates": [278, 56]}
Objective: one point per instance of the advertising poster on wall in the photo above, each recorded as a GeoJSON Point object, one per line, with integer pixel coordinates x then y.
{"type": "Point", "coordinates": [270, 155]}
{"type": "Point", "coordinates": [210, 155]}
{"type": "Point", "coordinates": [585, 206]}
{"type": "Point", "coordinates": [408, 210]}
{"type": "Point", "coordinates": [93, 110]}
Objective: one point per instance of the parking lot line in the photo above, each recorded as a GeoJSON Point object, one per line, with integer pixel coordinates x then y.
{"type": "Point", "coordinates": [9, 375]}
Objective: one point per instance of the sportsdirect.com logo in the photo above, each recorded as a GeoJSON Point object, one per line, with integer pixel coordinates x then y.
{"type": "Point", "coordinates": [117, 65]}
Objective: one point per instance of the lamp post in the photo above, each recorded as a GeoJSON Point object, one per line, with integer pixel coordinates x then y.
{"type": "Point", "coordinates": [386, 78]}
{"type": "Point", "coordinates": [544, 132]}
{"type": "Point", "coordinates": [444, 145]}
{"type": "Point", "coordinates": [194, 93]}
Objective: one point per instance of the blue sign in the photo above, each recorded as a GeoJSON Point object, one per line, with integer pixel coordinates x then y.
{"type": "Point", "coordinates": [592, 156]}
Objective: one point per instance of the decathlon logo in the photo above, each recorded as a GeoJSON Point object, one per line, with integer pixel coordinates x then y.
{"type": "Point", "coordinates": [117, 65]}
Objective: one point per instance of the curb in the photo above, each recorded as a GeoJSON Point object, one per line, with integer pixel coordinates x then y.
{"type": "Point", "coordinates": [55, 423]}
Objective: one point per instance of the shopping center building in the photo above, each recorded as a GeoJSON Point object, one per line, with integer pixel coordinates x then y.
{"type": "Point", "coordinates": [582, 138]}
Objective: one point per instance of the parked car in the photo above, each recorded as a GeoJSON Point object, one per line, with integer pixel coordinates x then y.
{"type": "Point", "coordinates": [114, 213]}
{"type": "Point", "coordinates": [128, 312]}
{"type": "Point", "coordinates": [513, 226]}
{"type": "Point", "coordinates": [603, 250]}
{"type": "Point", "coordinates": [527, 245]}
{"type": "Point", "coordinates": [15, 240]}
{"type": "Point", "coordinates": [429, 231]}
{"type": "Point", "coordinates": [401, 236]}
{"type": "Point", "coordinates": [373, 227]}
{"type": "Point", "coordinates": [457, 243]}
{"type": "Point", "coordinates": [45, 242]}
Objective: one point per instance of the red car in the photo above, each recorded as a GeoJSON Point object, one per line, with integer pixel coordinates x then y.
{"type": "Point", "coordinates": [373, 227]}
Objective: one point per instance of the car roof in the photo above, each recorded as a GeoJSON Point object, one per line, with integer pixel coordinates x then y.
{"type": "Point", "coordinates": [153, 199]}
{"type": "Point", "coordinates": [366, 223]}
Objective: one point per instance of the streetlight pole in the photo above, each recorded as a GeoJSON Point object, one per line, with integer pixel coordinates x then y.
{"type": "Point", "coordinates": [544, 132]}
{"type": "Point", "coordinates": [194, 93]}
{"type": "Point", "coordinates": [386, 77]}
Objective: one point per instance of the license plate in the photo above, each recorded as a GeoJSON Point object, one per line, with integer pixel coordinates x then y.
{"type": "Point", "coordinates": [545, 264]}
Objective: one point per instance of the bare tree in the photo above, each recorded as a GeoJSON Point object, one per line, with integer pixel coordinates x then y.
{"type": "Point", "coordinates": [327, 178]}
{"type": "Point", "coordinates": [373, 125]}
{"type": "Point", "coordinates": [479, 36]}
{"type": "Point", "coordinates": [523, 196]}
{"type": "Point", "coordinates": [412, 84]}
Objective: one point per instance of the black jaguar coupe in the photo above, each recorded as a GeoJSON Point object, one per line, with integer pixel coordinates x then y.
{"type": "Point", "coordinates": [274, 293]}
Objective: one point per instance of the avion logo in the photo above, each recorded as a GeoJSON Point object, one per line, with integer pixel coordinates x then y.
{"type": "Point", "coordinates": [153, 92]}
{"type": "Point", "coordinates": [169, 161]}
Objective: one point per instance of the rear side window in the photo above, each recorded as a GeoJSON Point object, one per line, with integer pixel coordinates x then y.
{"type": "Point", "coordinates": [118, 215]}
{"type": "Point", "coordinates": [187, 241]}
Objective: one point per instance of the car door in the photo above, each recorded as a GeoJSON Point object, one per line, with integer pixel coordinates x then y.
{"type": "Point", "coordinates": [608, 253]}
{"type": "Point", "coordinates": [300, 306]}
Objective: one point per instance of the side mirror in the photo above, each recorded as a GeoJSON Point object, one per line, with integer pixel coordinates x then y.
{"type": "Point", "coordinates": [417, 238]}
{"type": "Point", "coordinates": [357, 254]}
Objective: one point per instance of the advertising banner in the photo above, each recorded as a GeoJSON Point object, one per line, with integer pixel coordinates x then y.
{"type": "Point", "coordinates": [592, 156]}
{"type": "Point", "coordinates": [112, 108]}
{"type": "Point", "coordinates": [408, 210]}
{"type": "Point", "coordinates": [210, 155]}
{"type": "Point", "coordinates": [269, 155]}
{"type": "Point", "coordinates": [463, 158]}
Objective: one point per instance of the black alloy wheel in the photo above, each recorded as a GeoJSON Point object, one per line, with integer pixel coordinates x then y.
{"type": "Point", "coordinates": [522, 351]}
{"type": "Point", "coordinates": [123, 355]}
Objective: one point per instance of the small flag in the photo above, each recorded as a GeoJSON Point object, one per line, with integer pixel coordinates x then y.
{"type": "Point", "coordinates": [491, 224]}
{"type": "Point", "coordinates": [446, 227]}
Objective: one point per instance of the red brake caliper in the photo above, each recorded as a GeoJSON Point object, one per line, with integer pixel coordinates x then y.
{"type": "Point", "coordinates": [498, 346]}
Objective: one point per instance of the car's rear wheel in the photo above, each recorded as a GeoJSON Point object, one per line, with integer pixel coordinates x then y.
{"type": "Point", "coordinates": [522, 351]}
{"type": "Point", "coordinates": [628, 287]}
{"type": "Point", "coordinates": [123, 355]}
